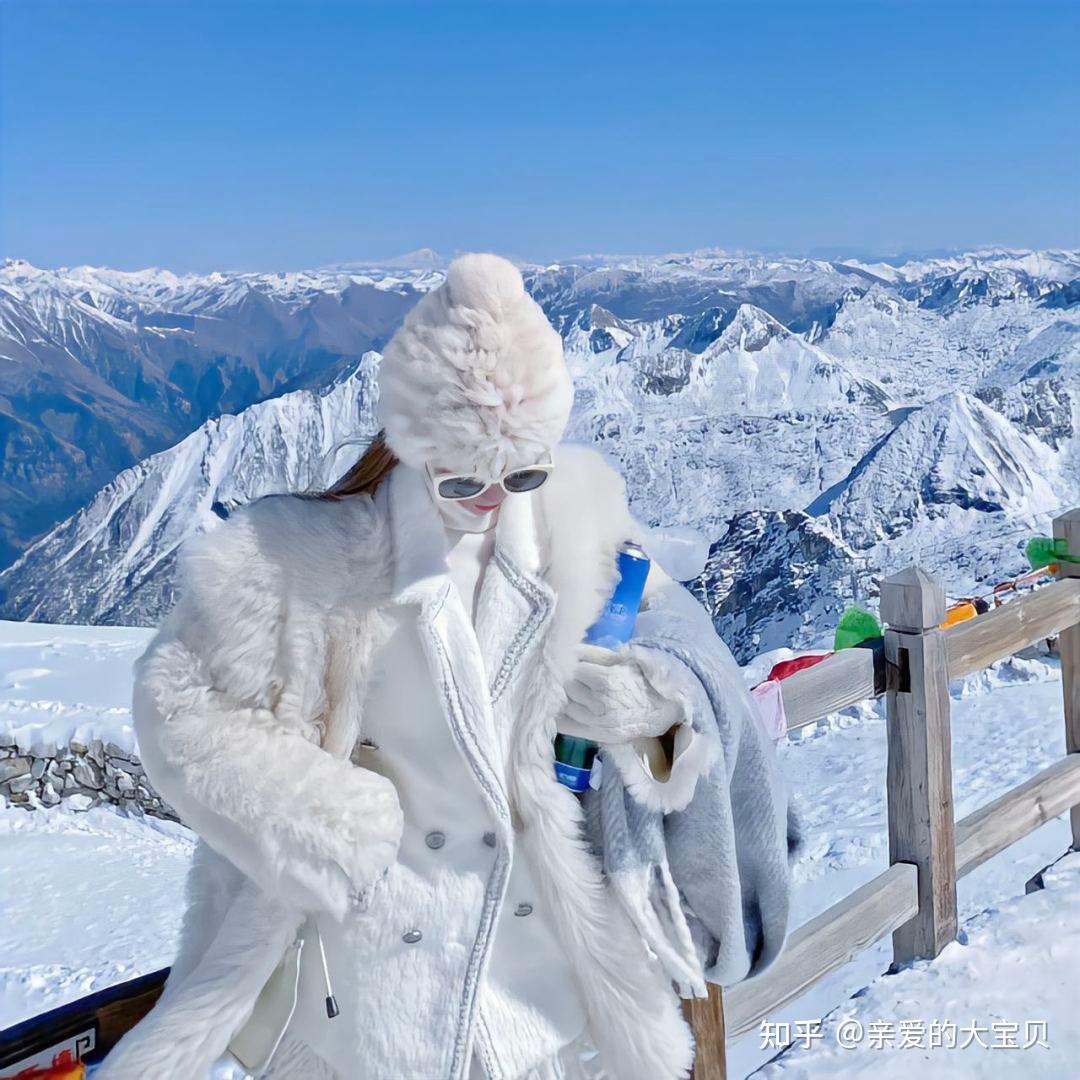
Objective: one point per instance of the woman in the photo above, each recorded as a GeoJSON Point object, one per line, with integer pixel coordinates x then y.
{"type": "Point", "coordinates": [353, 703]}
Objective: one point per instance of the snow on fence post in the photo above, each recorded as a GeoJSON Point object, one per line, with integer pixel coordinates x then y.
{"type": "Point", "coordinates": [1067, 528]}
{"type": "Point", "coordinates": [921, 829]}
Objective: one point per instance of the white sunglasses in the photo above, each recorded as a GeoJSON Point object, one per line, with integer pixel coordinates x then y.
{"type": "Point", "coordinates": [450, 488]}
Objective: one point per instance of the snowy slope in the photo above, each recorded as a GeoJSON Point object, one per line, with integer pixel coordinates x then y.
{"type": "Point", "coordinates": [113, 561]}
{"type": "Point", "coordinates": [754, 366]}
{"type": "Point", "coordinates": [1001, 1002]}
{"type": "Point", "coordinates": [919, 353]}
{"type": "Point", "coordinates": [1037, 387]}
{"type": "Point", "coordinates": [60, 684]}
{"type": "Point", "coordinates": [1007, 726]}
{"type": "Point", "coordinates": [944, 462]}
{"type": "Point", "coordinates": [1051, 350]}
{"type": "Point", "coordinates": [90, 900]}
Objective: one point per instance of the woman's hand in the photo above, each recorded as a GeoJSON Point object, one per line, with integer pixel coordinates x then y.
{"type": "Point", "coordinates": [639, 704]}
{"type": "Point", "coordinates": [611, 700]}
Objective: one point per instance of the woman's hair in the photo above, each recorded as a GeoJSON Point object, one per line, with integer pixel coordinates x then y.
{"type": "Point", "coordinates": [374, 466]}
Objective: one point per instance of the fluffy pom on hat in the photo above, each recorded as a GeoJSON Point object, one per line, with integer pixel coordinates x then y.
{"type": "Point", "coordinates": [474, 379]}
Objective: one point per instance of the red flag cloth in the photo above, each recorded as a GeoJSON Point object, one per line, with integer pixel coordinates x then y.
{"type": "Point", "coordinates": [797, 663]}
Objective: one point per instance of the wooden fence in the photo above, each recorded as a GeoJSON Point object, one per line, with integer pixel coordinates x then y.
{"type": "Point", "coordinates": [915, 899]}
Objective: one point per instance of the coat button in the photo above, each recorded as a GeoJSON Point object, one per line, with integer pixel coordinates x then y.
{"type": "Point", "coordinates": [411, 937]}
{"type": "Point", "coordinates": [435, 840]}
{"type": "Point", "coordinates": [523, 909]}
{"type": "Point", "coordinates": [489, 839]}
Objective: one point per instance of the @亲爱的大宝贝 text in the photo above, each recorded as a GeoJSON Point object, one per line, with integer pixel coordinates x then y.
{"type": "Point", "coordinates": [851, 1033]}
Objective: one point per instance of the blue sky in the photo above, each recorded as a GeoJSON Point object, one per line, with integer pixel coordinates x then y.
{"type": "Point", "coordinates": [271, 135]}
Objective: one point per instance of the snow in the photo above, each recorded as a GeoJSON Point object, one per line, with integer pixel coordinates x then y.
{"type": "Point", "coordinates": [987, 995]}
{"type": "Point", "coordinates": [65, 683]}
{"type": "Point", "coordinates": [89, 900]}
{"type": "Point", "coordinates": [98, 896]}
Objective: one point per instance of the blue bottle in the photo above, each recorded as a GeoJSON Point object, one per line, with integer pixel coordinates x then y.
{"type": "Point", "coordinates": [574, 757]}
{"type": "Point", "coordinates": [615, 626]}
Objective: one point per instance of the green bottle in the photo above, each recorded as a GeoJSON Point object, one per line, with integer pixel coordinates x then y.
{"type": "Point", "coordinates": [574, 759]}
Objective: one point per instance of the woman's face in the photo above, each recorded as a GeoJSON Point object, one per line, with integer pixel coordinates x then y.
{"type": "Point", "coordinates": [490, 498]}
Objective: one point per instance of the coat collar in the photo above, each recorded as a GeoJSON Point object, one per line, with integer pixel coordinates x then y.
{"type": "Point", "coordinates": [514, 600]}
{"type": "Point", "coordinates": [417, 537]}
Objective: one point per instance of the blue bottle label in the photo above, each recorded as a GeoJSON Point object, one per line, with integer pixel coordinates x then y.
{"type": "Point", "coordinates": [572, 777]}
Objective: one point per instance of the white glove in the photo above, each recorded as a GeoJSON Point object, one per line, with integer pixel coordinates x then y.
{"type": "Point", "coordinates": [611, 700]}
{"type": "Point", "coordinates": [625, 700]}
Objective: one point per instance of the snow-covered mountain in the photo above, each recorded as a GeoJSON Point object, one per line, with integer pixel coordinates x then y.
{"type": "Point", "coordinates": [966, 458]}
{"type": "Point", "coordinates": [819, 421]}
{"type": "Point", "coordinates": [112, 562]}
{"type": "Point", "coordinates": [755, 366]}
{"type": "Point", "coordinates": [719, 413]}
{"type": "Point", "coordinates": [774, 578]}
{"type": "Point", "coordinates": [1039, 267]}
{"type": "Point", "coordinates": [100, 368]}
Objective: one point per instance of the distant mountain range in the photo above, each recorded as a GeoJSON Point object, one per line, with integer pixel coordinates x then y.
{"type": "Point", "coordinates": [819, 420]}
{"type": "Point", "coordinates": [100, 368]}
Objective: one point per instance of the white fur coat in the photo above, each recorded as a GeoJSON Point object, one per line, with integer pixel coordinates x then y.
{"type": "Point", "coordinates": [250, 700]}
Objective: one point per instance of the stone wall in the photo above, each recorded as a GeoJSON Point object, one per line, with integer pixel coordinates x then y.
{"type": "Point", "coordinates": [78, 775]}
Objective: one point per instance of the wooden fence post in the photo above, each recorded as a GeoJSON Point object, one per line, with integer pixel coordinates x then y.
{"type": "Point", "coordinates": [706, 1017]}
{"type": "Point", "coordinates": [1067, 528]}
{"type": "Point", "coordinates": [921, 827]}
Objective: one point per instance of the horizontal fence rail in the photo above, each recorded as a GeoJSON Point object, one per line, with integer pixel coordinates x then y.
{"type": "Point", "coordinates": [847, 677]}
{"type": "Point", "coordinates": [1011, 817]}
{"type": "Point", "coordinates": [843, 679]}
{"type": "Point", "coordinates": [825, 943]}
{"type": "Point", "coordinates": [979, 642]}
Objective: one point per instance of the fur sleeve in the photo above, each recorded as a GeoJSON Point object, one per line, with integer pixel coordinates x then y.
{"type": "Point", "coordinates": [231, 752]}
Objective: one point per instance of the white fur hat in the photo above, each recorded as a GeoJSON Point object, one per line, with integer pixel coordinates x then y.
{"type": "Point", "coordinates": [474, 380]}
